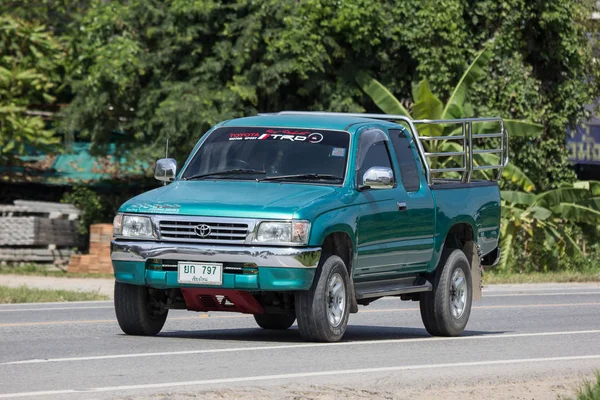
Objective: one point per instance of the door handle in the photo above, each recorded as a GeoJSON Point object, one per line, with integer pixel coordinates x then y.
{"type": "Point", "coordinates": [402, 207]}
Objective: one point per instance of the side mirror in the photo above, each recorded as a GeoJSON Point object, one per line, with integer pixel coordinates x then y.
{"type": "Point", "coordinates": [165, 170]}
{"type": "Point", "coordinates": [378, 178]}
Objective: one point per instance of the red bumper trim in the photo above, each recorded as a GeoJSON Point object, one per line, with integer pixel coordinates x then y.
{"type": "Point", "coordinates": [202, 299]}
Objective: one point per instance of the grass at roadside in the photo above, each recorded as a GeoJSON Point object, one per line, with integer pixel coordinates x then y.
{"type": "Point", "coordinates": [492, 277]}
{"type": "Point", "coordinates": [25, 294]}
{"type": "Point", "coordinates": [42, 270]}
{"type": "Point", "coordinates": [590, 390]}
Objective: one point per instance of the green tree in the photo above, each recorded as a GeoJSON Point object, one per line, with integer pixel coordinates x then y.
{"type": "Point", "coordinates": [29, 74]}
{"type": "Point", "coordinates": [157, 69]}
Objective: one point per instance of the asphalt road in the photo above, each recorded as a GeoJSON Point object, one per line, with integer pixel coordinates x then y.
{"type": "Point", "coordinates": [535, 338]}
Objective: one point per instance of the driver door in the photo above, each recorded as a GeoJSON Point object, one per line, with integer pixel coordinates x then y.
{"type": "Point", "coordinates": [380, 220]}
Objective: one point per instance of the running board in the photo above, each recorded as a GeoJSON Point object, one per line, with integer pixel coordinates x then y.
{"type": "Point", "coordinates": [389, 289]}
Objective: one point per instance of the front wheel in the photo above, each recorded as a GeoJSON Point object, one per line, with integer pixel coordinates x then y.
{"type": "Point", "coordinates": [446, 309]}
{"type": "Point", "coordinates": [323, 310]}
{"type": "Point", "coordinates": [138, 312]}
{"type": "Point", "coordinates": [279, 321]}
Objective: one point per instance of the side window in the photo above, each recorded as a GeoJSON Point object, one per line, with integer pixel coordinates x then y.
{"type": "Point", "coordinates": [406, 160]}
{"type": "Point", "coordinates": [372, 152]}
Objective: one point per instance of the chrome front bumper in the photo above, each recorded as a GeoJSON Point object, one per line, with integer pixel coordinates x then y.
{"type": "Point", "coordinates": [262, 256]}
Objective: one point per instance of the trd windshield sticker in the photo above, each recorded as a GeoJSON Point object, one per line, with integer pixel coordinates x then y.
{"type": "Point", "coordinates": [338, 152]}
{"type": "Point", "coordinates": [294, 136]}
{"type": "Point", "coordinates": [153, 208]}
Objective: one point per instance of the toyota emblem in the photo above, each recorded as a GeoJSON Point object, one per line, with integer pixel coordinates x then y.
{"type": "Point", "coordinates": [202, 230]}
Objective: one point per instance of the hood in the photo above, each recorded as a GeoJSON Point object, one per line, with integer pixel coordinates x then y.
{"type": "Point", "coordinates": [228, 198]}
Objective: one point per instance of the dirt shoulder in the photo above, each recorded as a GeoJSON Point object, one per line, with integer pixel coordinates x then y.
{"type": "Point", "coordinates": [481, 389]}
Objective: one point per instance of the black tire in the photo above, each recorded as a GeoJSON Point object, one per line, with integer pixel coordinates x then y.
{"type": "Point", "coordinates": [279, 321]}
{"type": "Point", "coordinates": [438, 311]}
{"type": "Point", "coordinates": [136, 312]}
{"type": "Point", "coordinates": [312, 306]}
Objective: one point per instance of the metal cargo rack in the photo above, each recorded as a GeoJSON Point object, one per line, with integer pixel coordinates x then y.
{"type": "Point", "coordinates": [467, 140]}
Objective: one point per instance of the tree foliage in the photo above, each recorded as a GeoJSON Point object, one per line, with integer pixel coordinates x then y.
{"type": "Point", "coordinates": [157, 69]}
{"type": "Point", "coordinates": [28, 77]}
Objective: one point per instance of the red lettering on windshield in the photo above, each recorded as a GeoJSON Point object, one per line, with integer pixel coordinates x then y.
{"type": "Point", "coordinates": [286, 132]}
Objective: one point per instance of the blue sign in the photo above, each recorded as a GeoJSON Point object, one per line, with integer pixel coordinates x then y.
{"type": "Point", "coordinates": [583, 144]}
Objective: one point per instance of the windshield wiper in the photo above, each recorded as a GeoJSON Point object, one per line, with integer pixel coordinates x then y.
{"type": "Point", "coordinates": [325, 177]}
{"type": "Point", "coordinates": [226, 172]}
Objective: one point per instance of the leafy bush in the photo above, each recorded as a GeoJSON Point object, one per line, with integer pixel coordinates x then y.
{"type": "Point", "coordinates": [90, 203]}
{"type": "Point", "coordinates": [538, 256]}
{"type": "Point", "coordinates": [548, 231]}
{"type": "Point", "coordinates": [99, 204]}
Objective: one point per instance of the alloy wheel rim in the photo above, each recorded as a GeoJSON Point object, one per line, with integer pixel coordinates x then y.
{"type": "Point", "coordinates": [336, 300]}
{"type": "Point", "coordinates": [458, 293]}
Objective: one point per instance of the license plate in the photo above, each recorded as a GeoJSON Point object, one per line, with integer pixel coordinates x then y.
{"type": "Point", "coordinates": [200, 273]}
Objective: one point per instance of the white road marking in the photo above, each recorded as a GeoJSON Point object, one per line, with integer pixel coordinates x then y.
{"type": "Point", "coordinates": [540, 294]}
{"type": "Point", "coordinates": [171, 385]}
{"type": "Point", "coordinates": [543, 287]}
{"type": "Point", "coordinates": [55, 308]}
{"type": "Point", "coordinates": [297, 346]}
{"type": "Point", "coordinates": [62, 303]}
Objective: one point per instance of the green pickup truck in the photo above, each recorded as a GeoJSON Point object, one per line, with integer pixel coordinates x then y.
{"type": "Point", "coordinates": [304, 216]}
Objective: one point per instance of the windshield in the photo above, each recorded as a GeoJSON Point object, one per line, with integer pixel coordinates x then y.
{"type": "Point", "coordinates": [276, 154]}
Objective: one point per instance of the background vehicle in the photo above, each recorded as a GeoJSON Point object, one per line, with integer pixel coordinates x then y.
{"type": "Point", "coordinates": [307, 215]}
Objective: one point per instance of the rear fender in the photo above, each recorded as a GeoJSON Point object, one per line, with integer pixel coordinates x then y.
{"type": "Point", "coordinates": [467, 244]}
{"type": "Point", "coordinates": [441, 240]}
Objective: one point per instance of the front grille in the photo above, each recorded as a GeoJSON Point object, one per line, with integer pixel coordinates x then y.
{"type": "Point", "coordinates": [191, 231]}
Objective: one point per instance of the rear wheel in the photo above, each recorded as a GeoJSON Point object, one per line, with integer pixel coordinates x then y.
{"type": "Point", "coordinates": [323, 310]}
{"type": "Point", "coordinates": [446, 309]}
{"type": "Point", "coordinates": [138, 312]}
{"type": "Point", "coordinates": [275, 320]}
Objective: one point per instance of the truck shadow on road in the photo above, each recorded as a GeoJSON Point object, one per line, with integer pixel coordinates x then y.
{"type": "Point", "coordinates": [353, 333]}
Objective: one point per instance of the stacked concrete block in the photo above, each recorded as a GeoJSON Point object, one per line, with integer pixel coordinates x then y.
{"type": "Point", "coordinates": [37, 231]}
{"type": "Point", "coordinates": [98, 259]}
{"type": "Point", "coordinates": [35, 255]}
{"type": "Point", "coordinates": [17, 231]}
{"type": "Point", "coordinates": [32, 231]}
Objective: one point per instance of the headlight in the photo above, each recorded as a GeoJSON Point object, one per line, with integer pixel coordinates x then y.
{"type": "Point", "coordinates": [133, 226]}
{"type": "Point", "coordinates": [294, 232]}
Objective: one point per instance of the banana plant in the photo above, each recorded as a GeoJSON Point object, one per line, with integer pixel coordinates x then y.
{"type": "Point", "coordinates": [546, 215]}
{"type": "Point", "coordinates": [428, 106]}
